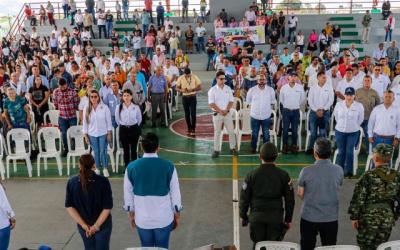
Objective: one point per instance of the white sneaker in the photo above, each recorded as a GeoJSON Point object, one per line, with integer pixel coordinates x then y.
{"type": "Point", "coordinates": [174, 109]}
{"type": "Point", "coordinates": [385, 41]}
{"type": "Point", "coordinates": [97, 171]}
{"type": "Point", "coordinates": [105, 172]}
{"type": "Point", "coordinates": [288, 43]}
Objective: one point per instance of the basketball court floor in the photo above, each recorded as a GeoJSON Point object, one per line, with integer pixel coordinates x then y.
{"type": "Point", "coordinates": [210, 191]}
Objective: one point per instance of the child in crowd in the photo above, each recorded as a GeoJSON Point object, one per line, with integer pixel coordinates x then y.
{"type": "Point", "coordinates": [135, 14]}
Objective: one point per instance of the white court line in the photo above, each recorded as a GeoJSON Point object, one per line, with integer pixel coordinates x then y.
{"type": "Point", "coordinates": [236, 218]}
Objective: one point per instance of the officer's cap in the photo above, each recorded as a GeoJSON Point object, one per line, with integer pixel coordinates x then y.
{"type": "Point", "coordinates": [268, 149]}
{"type": "Point", "coordinates": [383, 149]}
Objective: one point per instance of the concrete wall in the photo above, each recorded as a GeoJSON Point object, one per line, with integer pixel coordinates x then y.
{"type": "Point", "coordinates": [234, 8]}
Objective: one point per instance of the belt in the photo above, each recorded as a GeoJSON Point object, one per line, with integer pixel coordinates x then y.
{"type": "Point", "coordinates": [158, 93]}
{"type": "Point", "coordinates": [189, 95]}
{"type": "Point", "coordinates": [376, 205]}
{"type": "Point", "coordinates": [129, 126]}
{"type": "Point", "coordinates": [384, 137]}
{"type": "Point", "coordinates": [291, 110]}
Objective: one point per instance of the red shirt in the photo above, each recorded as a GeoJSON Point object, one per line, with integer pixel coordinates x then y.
{"type": "Point", "coordinates": [1, 81]}
{"type": "Point", "coordinates": [342, 69]}
{"type": "Point", "coordinates": [149, 4]}
{"type": "Point", "coordinates": [28, 12]}
{"type": "Point", "coordinates": [66, 102]}
{"type": "Point", "coordinates": [238, 68]}
{"type": "Point", "coordinates": [145, 65]}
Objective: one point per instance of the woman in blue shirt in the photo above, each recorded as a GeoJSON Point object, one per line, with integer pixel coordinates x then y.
{"type": "Point", "coordinates": [89, 202]}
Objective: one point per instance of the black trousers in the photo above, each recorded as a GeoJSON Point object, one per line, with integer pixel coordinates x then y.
{"type": "Point", "coordinates": [265, 231]}
{"type": "Point", "coordinates": [91, 31]}
{"type": "Point", "coordinates": [189, 106]}
{"type": "Point", "coordinates": [309, 231]}
{"type": "Point", "coordinates": [129, 136]}
{"type": "Point", "coordinates": [160, 19]}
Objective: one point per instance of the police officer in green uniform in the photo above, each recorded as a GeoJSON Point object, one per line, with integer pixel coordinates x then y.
{"type": "Point", "coordinates": [262, 191]}
{"type": "Point", "coordinates": [374, 206]}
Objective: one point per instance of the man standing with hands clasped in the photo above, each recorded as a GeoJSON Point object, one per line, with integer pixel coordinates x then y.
{"type": "Point", "coordinates": [220, 99]}
{"type": "Point", "coordinates": [158, 93]}
{"type": "Point", "coordinates": [262, 192]}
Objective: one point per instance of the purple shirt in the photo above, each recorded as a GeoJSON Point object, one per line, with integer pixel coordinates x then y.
{"type": "Point", "coordinates": [232, 25]}
{"type": "Point", "coordinates": [285, 80]}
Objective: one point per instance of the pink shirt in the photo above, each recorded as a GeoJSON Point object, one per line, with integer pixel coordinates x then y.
{"type": "Point", "coordinates": [150, 40]}
{"type": "Point", "coordinates": [260, 21]}
{"type": "Point", "coordinates": [285, 80]}
{"type": "Point", "coordinates": [149, 4]}
{"type": "Point", "coordinates": [313, 37]}
{"type": "Point", "coordinates": [218, 24]}
{"type": "Point", "coordinates": [244, 25]}
{"type": "Point", "coordinates": [235, 50]}
{"type": "Point", "coordinates": [232, 25]}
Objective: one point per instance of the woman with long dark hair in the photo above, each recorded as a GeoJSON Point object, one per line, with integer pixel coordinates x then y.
{"type": "Point", "coordinates": [7, 221]}
{"type": "Point", "coordinates": [44, 45]}
{"type": "Point", "coordinates": [128, 117]}
{"type": "Point", "coordinates": [189, 34]}
{"type": "Point", "coordinates": [15, 47]}
{"type": "Point", "coordinates": [11, 67]}
{"type": "Point", "coordinates": [33, 46]}
{"type": "Point", "coordinates": [97, 127]}
{"type": "Point", "coordinates": [38, 97]}
{"type": "Point", "coordinates": [21, 62]}
{"type": "Point", "coordinates": [89, 202]}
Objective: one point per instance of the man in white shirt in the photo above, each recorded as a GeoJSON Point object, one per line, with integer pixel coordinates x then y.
{"type": "Point", "coordinates": [274, 66]}
{"type": "Point", "coordinates": [149, 212]}
{"type": "Point", "coordinates": [357, 74]}
{"type": "Point", "coordinates": [297, 50]}
{"type": "Point", "coordinates": [56, 32]}
{"type": "Point", "coordinates": [168, 22]}
{"type": "Point", "coordinates": [292, 28]}
{"type": "Point", "coordinates": [101, 22]}
{"type": "Point", "coordinates": [335, 76]}
{"type": "Point", "coordinates": [250, 16]}
{"type": "Point", "coordinates": [260, 98]}
{"type": "Point", "coordinates": [348, 81]}
{"type": "Point", "coordinates": [379, 53]}
{"type": "Point", "coordinates": [161, 46]}
{"type": "Point", "coordinates": [384, 123]}
{"type": "Point", "coordinates": [172, 72]}
{"type": "Point", "coordinates": [85, 35]}
{"type": "Point", "coordinates": [312, 69]}
{"type": "Point", "coordinates": [379, 82]}
{"type": "Point", "coordinates": [137, 44]}
{"type": "Point", "coordinates": [291, 96]}
{"type": "Point", "coordinates": [35, 35]}
{"type": "Point", "coordinates": [62, 43]}
{"type": "Point", "coordinates": [320, 99]}
{"type": "Point", "coordinates": [97, 59]}
{"type": "Point", "coordinates": [220, 99]}
{"type": "Point", "coordinates": [113, 59]}
{"type": "Point", "coordinates": [313, 80]}
{"type": "Point", "coordinates": [19, 87]}
{"type": "Point", "coordinates": [353, 53]}
{"type": "Point", "coordinates": [126, 64]}
{"type": "Point", "coordinates": [100, 5]}
{"type": "Point", "coordinates": [200, 33]}
{"type": "Point", "coordinates": [158, 59]}
{"type": "Point", "coordinates": [107, 87]}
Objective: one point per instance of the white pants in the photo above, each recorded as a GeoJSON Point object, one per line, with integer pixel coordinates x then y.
{"type": "Point", "coordinates": [218, 120]}
{"type": "Point", "coordinates": [365, 30]}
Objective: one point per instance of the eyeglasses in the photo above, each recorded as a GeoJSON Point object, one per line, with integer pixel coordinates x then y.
{"type": "Point", "coordinates": [94, 96]}
{"type": "Point", "coordinates": [296, 55]}
{"type": "Point", "coordinates": [222, 79]}
{"type": "Point", "coordinates": [377, 70]}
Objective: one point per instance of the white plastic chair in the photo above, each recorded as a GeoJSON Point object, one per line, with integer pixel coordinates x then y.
{"type": "Point", "coordinates": [245, 128]}
{"type": "Point", "coordinates": [176, 100]}
{"type": "Point", "coordinates": [237, 100]}
{"type": "Point", "coordinates": [19, 135]}
{"type": "Point", "coordinates": [395, 82]}
{"type": "Point", "coordinates": [298, 131]}
{"type": "Point", "coordinates": [2, 170]}
{"type": "Point", "coordinates": [3, 144]}
{"type": "Point", "coordinates": [342, 247]}
{"type": "Point", "coordinates": [272, 132]}
{"type": "Point", "coordinates": [51, 106]}
{"type": "Point", "coordinates": [120, 152]}
{"type": "Point", "coordinates": [356, 152]}
{"type": "Point", "coordinates": [394, 245]}
{"type": "Point", "coordinates": [277, 245]}
{"type": "Point", "coordinates": [307, 128]}
{"type": "Point", "coordinates": [77, 117]}
{"type": "Point", "coordinates": [331, 135]}
{"type": "Point", "coordinates": [169, 102]}
{"type": "Point", "coordinates": [32, 125]}
{"type": "Point", "coordinates": [80, 146]}
{"type": "Point", "coordinates": [224, 131]}
{"type": "Point", "coordinates": [53, 116]}
{"type": "Point", "coordinates": [50, 135]}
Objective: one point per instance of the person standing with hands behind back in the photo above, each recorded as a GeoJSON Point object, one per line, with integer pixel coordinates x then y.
{"type": "Point", "coordinates": [89, 202]}
{"type": "Point", "coordinates": [262, 192]}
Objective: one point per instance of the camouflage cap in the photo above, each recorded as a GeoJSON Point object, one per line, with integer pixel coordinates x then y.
{"type": "Point", "coordinates": [383, 149]}
{"type": "Point", "coordinates": [269, 149]}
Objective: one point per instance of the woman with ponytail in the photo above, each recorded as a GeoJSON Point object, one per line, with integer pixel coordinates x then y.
{"type": "Point", "coordinates": [128, 117]}
{"type": "Point", "coordinates": [89, 202]}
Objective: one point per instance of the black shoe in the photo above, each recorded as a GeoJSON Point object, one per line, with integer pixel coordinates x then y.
{"type": "Point", "coordinates": [252, 151]}
{"type": "Point", "coordinates": [234, 152]}
{"type": "Point", "coordinates": [164, 126]}
{"type": "Point", "coordinates": [309, 151]}
{"type": "Point", "coordinates": [349, 175]}
{"type": "Point", "coordinates": [64, 154]}
{"type": "Point", "coordinates": [215, 154]}
{"type": "Point", "coordinates": [154, 125]}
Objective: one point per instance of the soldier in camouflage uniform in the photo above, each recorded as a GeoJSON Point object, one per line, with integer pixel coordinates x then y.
{"type": "Point", "coordinates": [262, 192]}
{"type": "Point", "coordinates": [373, 208]}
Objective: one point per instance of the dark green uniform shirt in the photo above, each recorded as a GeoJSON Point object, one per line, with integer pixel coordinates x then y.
{"type": "Point", "coordinates": [263, 190]}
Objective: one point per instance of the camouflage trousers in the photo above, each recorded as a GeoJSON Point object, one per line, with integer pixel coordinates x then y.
{"type": "Point", "coordinates": [374, 228]}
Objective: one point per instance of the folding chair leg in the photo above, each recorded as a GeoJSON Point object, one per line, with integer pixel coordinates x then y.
{"type": "Point", "coordinates": [59, 164]}
{"type": "Point", "coordinates": [38, 165]}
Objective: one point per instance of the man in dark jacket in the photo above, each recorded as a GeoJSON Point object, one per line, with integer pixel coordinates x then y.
{"type": "Point", "coordinates": [262, 192]}
{"type": "Point", "coordinates": [224, 16]}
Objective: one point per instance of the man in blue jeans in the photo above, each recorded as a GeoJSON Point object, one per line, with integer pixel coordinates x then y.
{"type": "Point", "coordinates": [101, 22]}
{"type": "Point", "coordinates": [200, 32]}
{"type": "Point", "coordinates": [320, 99]}
{"type": "Point", "coordinates": [291, 96]}
{"type": "Point", "coordinates": [112, 100]}
{"type": "Point", "coordinates": [210, 47]}
{"type": "Point", "coordinates": [260, 99]}
{"type": "Point", "coordinates": [145, 22]}
{"type": "Point", "coordinates": [66, 100]}
{"type": "Point", "coordinates": [154, 223]}
{"type": "Point", "coordinates": [65, 8]}
{"type": "Point", "coordinates": [384, 123]}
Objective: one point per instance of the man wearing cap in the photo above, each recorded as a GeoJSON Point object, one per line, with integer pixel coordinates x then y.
{"type": "Point", "coordinates": [375, 196]}
{"type": "Point", "coordinates": [393, 54]}
{"type": "Point", "coordinates": [262, 192]}
{"type": "Point", "coordinates": [348, 81]}
{"type": "Point", "coordinates": [250, 16]}
{"type": "Point", "coordinates": [320, 99]}
{"type": "Point", "coordinates": [292, 27]}
{"type": "Point", "coordinates": [384, 123]}
{"type": "Point", "coordinates": [220, 99]}
{"type": "Point", "coordinates": [320, 209]}
{"type": "Point", "coordinates": [291, 97]}
{"type": "Point", "coordinates": [260, 98]}
{"type": "Point", "coordinates": [379, 53]}
{"type": "Point", "coordinates": [64, 74]}
{"type": "Point", "coordinates": [259, 60]}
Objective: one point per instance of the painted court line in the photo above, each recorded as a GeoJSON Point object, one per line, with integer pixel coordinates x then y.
{"type": "Point", "coordinates": [235, 204]}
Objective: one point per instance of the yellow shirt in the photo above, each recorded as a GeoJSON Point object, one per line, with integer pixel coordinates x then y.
{"type": "Point", "coordinates": [190, 83]}
{"type": "Point", "coordinates": [387, 71]}
{"type": "Point", "coordinates": [328, 31]}
{"type": "Point", "coordinates": [179, 60]}
{"type": "Point", "coordinates": [168, 82]}
{"type": "Point", "coordinates": [203, 4]}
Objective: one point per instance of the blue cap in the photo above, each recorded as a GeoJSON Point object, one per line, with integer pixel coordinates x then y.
{"type": "Point", "coordinates": [350, 91]}
{"type": "Point", "coordinates": [293, 72]}
{"type": "Point", "coordinates": [6, 84]}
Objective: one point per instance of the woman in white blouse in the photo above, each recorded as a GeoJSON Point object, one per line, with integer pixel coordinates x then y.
{"type": "Point", "coordinates": [128, 117]}
{"type": "Point", "coordinates": [300, 41]}
{"type": "Point", "coordinates": [348, 115]}
{"type": "Point", "coordinates": [323, 41]}
{"type": "Point", "coordinates": [97, 128]}
{"type": "Point", "coordinates": [7, 221]}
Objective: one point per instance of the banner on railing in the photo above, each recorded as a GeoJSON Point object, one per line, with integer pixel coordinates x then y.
{"type": "Point", "coordinates": [240, 34]}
